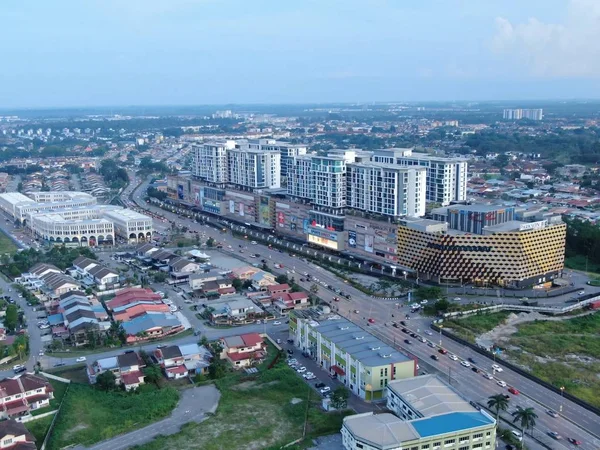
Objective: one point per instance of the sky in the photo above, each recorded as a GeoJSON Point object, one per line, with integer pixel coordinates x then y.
{"type": "Point", "coordinates": [189, 52]}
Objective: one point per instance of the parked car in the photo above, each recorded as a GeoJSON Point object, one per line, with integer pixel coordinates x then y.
{"type": "Point", "coordinates": [301, 369]}
{"type": "Point", "coordinates": [19, 368]}
{"type": "Point", "coordinates": [81, 359]}
{"type": "Point", "coordinates": [325, 389]}
{"type": "Point", "coordinates": [319, 385]}
{"type": "Point", "coordinates": [277, 322]}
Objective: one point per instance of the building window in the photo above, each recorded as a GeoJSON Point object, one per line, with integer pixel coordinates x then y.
{"type": "Point", "coordinates": [463, 439]}
{"type": "Point", "coordinates": [449, 442]}
{"type": "Point", "coordinates": [477, 446]}
{"type": "Point", "coordinates": [489, 433]}
{"type": "Point", "coordinates": [464, 448]}
{"type": "Point", "coordinates": [436, 444]}
{"type": "Point", "coordinates": [478, 436]}
{"type": "Point", "coordinates": [424, 446]}
{"type": "Point", "coordinates": [359, 445]}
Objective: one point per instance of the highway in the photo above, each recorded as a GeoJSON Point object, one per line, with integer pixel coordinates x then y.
{"type": "Point", "coordinates": [473, 386]}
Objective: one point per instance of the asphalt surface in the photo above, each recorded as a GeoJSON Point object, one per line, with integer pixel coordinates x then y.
{"type": "Point", "coordinates": [575, 421]}
{"type": "Point", "coordinates": [192, 407]}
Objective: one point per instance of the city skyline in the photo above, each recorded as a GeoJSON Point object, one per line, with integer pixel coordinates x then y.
{"type": "Point", "coordinates": [201, 52]}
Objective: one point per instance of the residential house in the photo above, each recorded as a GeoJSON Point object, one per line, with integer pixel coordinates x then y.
{"type": "Point", "coordinates": [261, 280]}
{"type": "Point", "coordinates": [197, 280]}
{"type": "Point", "coordinates": [183, 265]}
{"type": "Point", "coordinates": [244, 350]}
{"type": "Point", "coordinates": [289, 301]}
{"type": "Point", "coordinates": [151, 325]}
{"type": "Point", "coordinates": [49, 279]}
{"type": "Point", "coordinates": [132, 295]}
{"type": "Point", "coordinates": [127, 368]}
{"type": "Point", "coordinates": [236, 309]}
{"type": "Point", "coordinates": [14, 436]}
{"type": "Point", "coordinates": [80, 317]}
{"type": "Point", "coordinates": [132, 310]}
{"type": "Point", "coordinates": [244, 273]}
{"type": "Point", "coordinates": [221, 286]}
{"type": "Point", "coordinates": [145, 250]}
{"type": "Point", "coordinates": [20, 395]}
{"type": "Point", "coordinates": [278, 289]}
{"type": "Point", "coordinates": [179, 361]}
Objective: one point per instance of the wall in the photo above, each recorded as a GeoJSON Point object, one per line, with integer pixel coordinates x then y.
{"type": "Point", "coordinates": [373, 239]}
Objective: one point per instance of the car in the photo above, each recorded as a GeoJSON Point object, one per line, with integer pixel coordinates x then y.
{"type": "Point", "coordinates": [554, 435]}
{"type": "Point", "coordinates": [422, 339]}
{"type": "Point", "coordinates": [319, 385]}
{"type": "Point", "coordinates": [290, 351]}
{"type": "Point", "coordinates": [513, 391]}
{"type": "Point", "coordinates": [424, 302]}
{"type": "Point", "coordinates": [581, 292]}
{"type": "Point", "coordinates": [453, 357]}
{"type": "Point", "coordinates": [81, 359]}
{"type": "Point", "coordinates": [402, 322]}
{"type": "Point", "coordinates": [552, 413]}
{"type": "Point", "coordinates": [516, 434]}
{"type": "Point", "coordinates": [19, 368]}
{"type": "Point", "coordinates": [301, 369]}
{"type": "Point", "coordinates": [574, 441]}
{"type": "Point", "coordinates": [457, 299]}
{"type": "Point", "coordinates": [404, 330]}
{"type": "Point", "coordinates": [356, 311]}
{"type": "Point", "coordinates": [497, 368]}
{"type": "Point", "coordinates": [488, 375]}
{"type": "Point", "coordinates": [406, 341]}
{"type": "Point", "coordinates": [465, 363]}
{"type": "Point", "coordinates": [41, 353]}
{"type": "Point", "coordinates": [371, 320]}
{"type": "Point", "coordinates": [431, 344]}
{"type": "Point", "coordinates": [435, 357]}
{"type": "Point", "coordinates": [413, 335]}
{"type": "Point", "coordinates": [472, 361]}
{"type": "Point", "coordinates": [395, 325]}
{"type": "Point", "coordinates": [290, 341]}
{"type": "Point", "coordinates": [325, 389]}
{"type": "Point", "coordinates": [277, 322]}
{"type": "Point", "coordinates": [307, 374]}
{"type": "Point", "coordinates": [59, 364]}
{"type": "Point", "coordinates": [501, 383]}
{"type": "Point", "coordinates": [443, 351]}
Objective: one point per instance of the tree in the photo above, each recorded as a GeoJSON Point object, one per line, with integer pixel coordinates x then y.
{"type": "Point", "coordinates": [11, 320]}
{"type": "Point", "coordinates": [526, 417]}
{"type": "Point", "coordinates": [210, 242]}
{"type": "Point", "coordinates": [153, 374]}
{"type": "Point", "coordinates": [314, 289]}
{"type": "Point", "coordinates": [499, 403]}
{"type": "Point", "coordinates": [282, 279]}
{"type": "Point", "coordinates": [217, 368]}
{"type": "Point", "coordinates": [204, 341]}
{"type": "Point", "coordinates": [339, 398]}
{"type": "Point", "coordinates": [21, 345]}
{"type": "Point", "coordinates": [237, 284]}
{"type": "Point", "coordinates": [106, 380]}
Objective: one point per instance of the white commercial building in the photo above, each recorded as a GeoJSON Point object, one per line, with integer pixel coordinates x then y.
{"type": "Point", "coordinates": [446, 177]}
{"type": "Point", "coordinates": [56, 229]}
{"type": "Point", "coordinates": [20, 206]}
{"type": "Point", "coordinates": [129, 224]}
{"type": "Point", "coordinates": [517, 114]}
{"type": "Point", "coordinates": [386, 189]}
{"type": "Point", "coordinates": [254, 169]}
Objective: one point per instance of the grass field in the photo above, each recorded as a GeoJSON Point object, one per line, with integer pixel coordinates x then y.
{"type": "Point", "coordinates": [89, 415]}
{"type": "Point", "coordinates": [578, 262]}
{"type": "Point", "coordinates": [7, 245]}
{"type": "Point", "coordinates": [472, 326]}
{"type": "Point", "coordinates": [261, 413]}
{"type": "Point", "coordinates": [39, 428]}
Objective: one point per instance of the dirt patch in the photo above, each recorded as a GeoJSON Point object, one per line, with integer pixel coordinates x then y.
{"type": "Point", "coordinates": [295, 400]}
{"type": "Point", "coordinates": [75, 429]}
{"type": "Point", "coordinates": [246, 385]}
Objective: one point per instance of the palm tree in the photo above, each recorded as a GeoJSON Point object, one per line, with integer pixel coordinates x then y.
{"type": "Point", "coordinates": [526, 417]}
{"type": "Point", "coordinates": [498, 402]}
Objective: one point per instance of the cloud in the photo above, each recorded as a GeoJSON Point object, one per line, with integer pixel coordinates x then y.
{"type": "Point", "coordinates": [569, 49]}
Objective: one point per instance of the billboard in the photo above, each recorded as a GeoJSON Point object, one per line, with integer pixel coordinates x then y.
{"type": "Point", "coordinates": [180, 195]}
{"type": "Point", "coordinates": [211, 206]}
{"type": "Point", "coordinates": [280, 219]}
{"type": "Point", "coordinates": [369, 243]}
{"type": "Point", "coordinates": [264, 213]}
{"type": "Point", "coordinates": [196, 196]}
{"type": "Point", "coordinates": [328, 243]}
{"type": "Point", "coordinates": [241, 209]}
{"type": "Point", "coordinates": [352, 239]}
{"type": "Point", "coordinates": [305, 224]}
{"type": "Point", "coordinates": [231, 207]}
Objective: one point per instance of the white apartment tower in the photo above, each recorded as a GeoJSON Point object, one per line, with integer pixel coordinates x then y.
{"type": "Point", "coordinates": [446, 177]}
{"type": "Point", "coordinates": [386, 189]}
{"type": "Point", "coordinates": [211, 161]}
{"type": "Point", "coordinates": [300, 181]}
{"type": "Point", "coordinates": [255, 169]}
{"type": "Point", "coordinates": [286, 150]}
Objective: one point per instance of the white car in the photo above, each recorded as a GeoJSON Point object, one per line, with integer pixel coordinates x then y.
{"type": "Point", "coordinates": [457, 299]}
{"type": "Point", "coordinates": [254, 243]}
{"type": "Point", "coordinates": [277, 322]}
{"type": "Point", "coordinates": [497, 368]}
{"type": "Point", "coordinates": [301, 369]}
{"type": "Point", "coordinates": [311, 377]}
{"type": "Point", "coordinates": [424, 302]}
{"type": "Point", "coordinates": [429, 333]}
{"type": "Point", "coordinates": [501, 383]}
{"type": "Point", "coordinates": [453, 357]}
{"type": "Point", "coordinates": [308, 374]}
{"type": "Point", "coordinates": [81, 359]}
{"type": "Point", "coordinates": [489, 376]}
{"type": "Point", "coordinates": [41, 353]}
{"type": "Point", "coordinates": [465, 364]}
{"type": "Point", "coordinates": [324, 390]}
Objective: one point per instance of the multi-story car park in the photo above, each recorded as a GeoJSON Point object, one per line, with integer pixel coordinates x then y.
{"type": "Point", "coordinates": [355, 357]}
{"type": "Point", "coordinates": [428, 415]}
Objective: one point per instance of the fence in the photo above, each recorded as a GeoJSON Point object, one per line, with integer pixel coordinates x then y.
{"type": "Point", "coordinates": [51, 427]}
{"type": "Point", "coordinates": [517, 369]}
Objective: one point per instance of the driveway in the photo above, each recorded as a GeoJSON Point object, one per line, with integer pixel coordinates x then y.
{"type": "Point", "coordinates": [192, 407]}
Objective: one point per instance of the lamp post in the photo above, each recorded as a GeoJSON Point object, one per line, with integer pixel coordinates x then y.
{"type": "Point", "coordinates": [441, 326]}
{"type": "Point", "coordinates": [562, 390]}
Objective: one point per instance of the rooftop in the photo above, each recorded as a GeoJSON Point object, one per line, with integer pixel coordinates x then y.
{"type": "Point", "coordinates": [381, 430]}
{"type": "Point", "coordinates": [451, 423]}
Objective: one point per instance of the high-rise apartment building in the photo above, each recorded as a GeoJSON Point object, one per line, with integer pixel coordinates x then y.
{"type": "Point", "coordinates": [517, 114]}
{"type": "Point", "coordinates": [286, 150]}
{"type": "Point", "coordinates": [329, 179]}
{"type": "Point", "coordinates": [386, 189]}
{"type": "Point", "coordinates": [300, 182]}
{"type": "Point", "coordinates": [446, 177]}
{"type": "Point", "coordinates": [255, 169]}
{"type": "Point", "coordinates": [210, 161]}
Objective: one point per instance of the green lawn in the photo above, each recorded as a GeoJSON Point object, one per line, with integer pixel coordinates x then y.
{"type": "Point", "coordinates": [59, 393]}
{"type": "Point", "coordinates": [39, 428]}
{"type": "Point", "coordinates": [256, 413]}
{"type": "Point", "coordinates": [89, 415]}
{"type": "Point", "coordinates": [578, 262]}
{"type": "Point", "coordinates": [7, 245]}
{"type": "Point", "coordinates": [471, 326]}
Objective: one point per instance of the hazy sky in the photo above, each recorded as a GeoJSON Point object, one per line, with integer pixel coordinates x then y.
{"type": "Point", "coordinates": [135, 52]}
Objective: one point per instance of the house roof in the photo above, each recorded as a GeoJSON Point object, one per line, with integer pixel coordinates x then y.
{"type": "Point", "coordinates": [84, 263]}
{"type": "Point", "coordinates": [278, 287]}
{"type": "Point", "coordinates": [13, 428]}
{"type": "Point", "coordinates": [450, 423]}
{"type": "Point", "coordinates": [150, 320]}
{"type": "Point", "coordinates": [385, 431]}
{"type": "Point", "coordinates": [132, 377]}
{"type": "Point", "coordinates": [172, 351]}
{"type": "Point", "coordinates": [129, 359]}
{"type": "Point", "coordinates": [180, 263]}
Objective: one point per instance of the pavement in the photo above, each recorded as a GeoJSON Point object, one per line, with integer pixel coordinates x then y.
{"type": "Point", "coordinates": [193, 406]}
{"type": "Point", "coordinates": [575, 421]}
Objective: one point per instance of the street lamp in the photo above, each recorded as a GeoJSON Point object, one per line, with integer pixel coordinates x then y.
{"type": "Point", "coordinates": [440, 334]}
{"type": "Point", "coordinates": [562, 390]}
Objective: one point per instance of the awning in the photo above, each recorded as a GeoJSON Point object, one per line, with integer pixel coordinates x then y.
{"type": "Point", "coordinates": [338, 370]}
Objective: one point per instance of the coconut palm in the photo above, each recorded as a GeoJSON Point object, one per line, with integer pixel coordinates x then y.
{"type": "Point", "coordinates": [498, 402]}
{"type": "Point", "coordinates": [526, 417]}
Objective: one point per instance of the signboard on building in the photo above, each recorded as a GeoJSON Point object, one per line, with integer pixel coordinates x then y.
{"type": "Point", "coordinates": [180, 194]}
{"type": "Point", "coordinates": [280, 219]}
{"type": "Point", "coordinates": [264, 213]}
{"type": "Point", "coordinates": [323, 242]}
{"type": "Point", "coordinates": [368, 243]}
{"type": "Point", "coordinates": [231, 207]}
{"type": "Point", "coordinates": [533, 225]}
{"type": "Point", "coordinates": [212, 206]}
{"type": "Point", "coordinates": [352, 239]}
{"type": "Point", "coordinates": [305, 224]}
{"type": "Point", "coordinates": [241, 209]}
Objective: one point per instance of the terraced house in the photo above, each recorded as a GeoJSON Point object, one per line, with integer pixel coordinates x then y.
{"type": "Point", "coordinates": [362, 362]}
